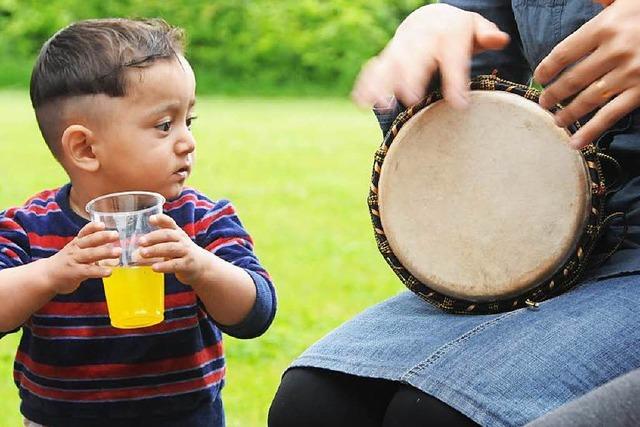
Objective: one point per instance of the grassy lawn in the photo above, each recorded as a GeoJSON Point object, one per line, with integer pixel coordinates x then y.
{"type": "Point", "coordinates": [298, 172]}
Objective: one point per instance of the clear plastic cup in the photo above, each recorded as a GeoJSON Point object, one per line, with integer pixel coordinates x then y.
{"type": "Point", "coordinates": [134, 292]}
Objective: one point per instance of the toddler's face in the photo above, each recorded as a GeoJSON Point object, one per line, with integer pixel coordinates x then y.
{"type": "Point", "coordinates": [145, 137]}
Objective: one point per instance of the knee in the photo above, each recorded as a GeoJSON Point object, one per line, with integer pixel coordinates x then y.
{"type": "Point", "coordinates": [293, 402]}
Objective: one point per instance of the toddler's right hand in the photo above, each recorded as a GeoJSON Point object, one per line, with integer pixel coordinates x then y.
{"type": "Point", "coordinates": [77, 261]}
{"type": "Point", "coordinates": [433, 37]}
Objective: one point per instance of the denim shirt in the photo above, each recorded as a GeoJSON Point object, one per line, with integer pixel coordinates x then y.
{"type": "Point", "coordinates": [535, 27]}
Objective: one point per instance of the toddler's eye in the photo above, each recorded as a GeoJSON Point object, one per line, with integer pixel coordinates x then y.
{"type": "Point", "coordinates": [190, 121]}
{"type": "Point", "coordinates": [164, 127]}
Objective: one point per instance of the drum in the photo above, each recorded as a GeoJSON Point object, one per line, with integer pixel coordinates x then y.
{"type": "Point", "coordinates": [487, 209]}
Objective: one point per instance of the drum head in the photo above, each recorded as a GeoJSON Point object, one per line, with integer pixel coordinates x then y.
{"type": "Point", "coordinates": [485, 203]}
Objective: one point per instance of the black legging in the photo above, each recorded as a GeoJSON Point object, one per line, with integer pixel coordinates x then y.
{"type": "Point", "coordinates": [315, 397]}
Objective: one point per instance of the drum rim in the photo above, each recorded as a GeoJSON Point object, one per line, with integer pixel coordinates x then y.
{"type": "Point", "coordinates": [560, 281]}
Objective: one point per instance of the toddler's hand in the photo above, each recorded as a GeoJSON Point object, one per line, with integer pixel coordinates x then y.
{"type": "Point", "coordinates": [181, 255]}
{"type": "Point", "coordinates": [76, 262]}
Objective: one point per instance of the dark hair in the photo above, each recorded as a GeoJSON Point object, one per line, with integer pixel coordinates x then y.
{"type": "Point", "coordinates": [91, 57]}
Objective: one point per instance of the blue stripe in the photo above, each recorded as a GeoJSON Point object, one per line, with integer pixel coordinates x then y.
{"type": "Point", "coordinates": [64, 352]}
{"type": "Point", "coordinates": [97, 384]}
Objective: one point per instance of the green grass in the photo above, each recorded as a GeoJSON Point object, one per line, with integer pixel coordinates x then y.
{"type": "Point", "coordinates": [298, 172]}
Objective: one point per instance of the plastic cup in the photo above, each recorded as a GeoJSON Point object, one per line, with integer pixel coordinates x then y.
{"type": "Point", "coordinates": [134, 292]}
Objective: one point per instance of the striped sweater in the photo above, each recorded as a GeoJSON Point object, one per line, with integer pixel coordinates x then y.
{"type": "Point", "coordinates": [72, 368]}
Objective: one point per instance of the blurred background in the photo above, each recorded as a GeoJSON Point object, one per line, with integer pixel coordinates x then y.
{"type": "Point", "coordinates": [260, 47]}
{"type": "Point", "coordinates": [275, 133]}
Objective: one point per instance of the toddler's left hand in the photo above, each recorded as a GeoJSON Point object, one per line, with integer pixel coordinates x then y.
{"type": "Point", "coordinates": [182, 256]}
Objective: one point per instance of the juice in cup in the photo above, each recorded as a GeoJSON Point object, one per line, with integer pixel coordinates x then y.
{"type": "Point", "coordinates": [134, 292]}
{"type": "Point", "coordinates": [135, 296]}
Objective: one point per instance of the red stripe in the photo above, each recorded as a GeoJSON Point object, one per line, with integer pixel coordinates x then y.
{"type": "Point", "coordinates": [57, 308]}
{"type": "Point", "coordinates": [43, 196]}
{"type": "Point", "coordinates": [204, 224]}
{"type": "Point", "coordinates": [216, 244]}
{"type": "Point", "coordinates": [6, 241]}
{"type": "Point", "coordinates": [195, 228]}
{"type": "Point", "coordinates": [49, 242]}
{"type": "Point", "coordinates": [188, 197]}
{"type": "Point", "coordinates": [122, 370]}
{"type": "Point", "coordinates": [9, 224]}
{"type": "Point", "coordinates": [108, 331]}
{"type": "Point", "coordinates": [199, 203]}
{"type": "Point", "coordinates": [37, 209]}
{"type": "Point", "coordinates": [121, 394]}
{"type": "Point", "coordinates": [11, 254]}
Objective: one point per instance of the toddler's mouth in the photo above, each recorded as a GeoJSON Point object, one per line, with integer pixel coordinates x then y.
{"type": "Point", "coordinates": [183, 172]}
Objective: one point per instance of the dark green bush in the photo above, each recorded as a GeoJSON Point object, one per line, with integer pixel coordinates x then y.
{"type": "Point", "coordinates": [235, 46]}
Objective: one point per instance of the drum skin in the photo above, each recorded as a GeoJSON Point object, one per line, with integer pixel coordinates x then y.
{"type": "Point", "coordinates": [484, 203]}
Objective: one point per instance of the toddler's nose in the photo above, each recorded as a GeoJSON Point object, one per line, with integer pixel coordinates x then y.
{"type": "Point", "coordinates": [186, 144]}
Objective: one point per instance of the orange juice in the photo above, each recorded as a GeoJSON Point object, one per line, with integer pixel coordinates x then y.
{"type": "Point", "coordinates": [135, 297]}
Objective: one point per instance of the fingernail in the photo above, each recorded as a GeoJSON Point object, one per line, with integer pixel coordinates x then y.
{"type": "Point", "coordinates": [144, 252]}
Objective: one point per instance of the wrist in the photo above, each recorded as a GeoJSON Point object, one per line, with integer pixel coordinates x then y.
{"type": "Point", "coordinates": [206, 264]}
{"type": "Point", "coordinates": [47, 274]}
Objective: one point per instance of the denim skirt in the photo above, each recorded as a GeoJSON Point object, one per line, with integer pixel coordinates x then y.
{"type": "Point", "coordinates": [500, 370]}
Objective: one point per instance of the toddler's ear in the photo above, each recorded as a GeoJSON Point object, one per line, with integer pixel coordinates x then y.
{"type": "Point", "coordinates": [77, 146]}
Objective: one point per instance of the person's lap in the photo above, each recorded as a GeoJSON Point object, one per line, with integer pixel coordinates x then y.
{"type": "Point", "coordinates": [503, 369]}
{"type": "Point", "coordinates": [313, 397]}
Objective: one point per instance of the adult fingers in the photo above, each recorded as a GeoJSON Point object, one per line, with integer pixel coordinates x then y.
{"type": "Point", "coordinates": [487, 35]}
{"type": "Point", "coordinates": [606, 117]}
{"type": "Point", "coordinates": [577, 78]}
{"type": "Point", "coordinates": [372, 85]}
{"type": "Point", "coordinates": [567, 52]}
{"type": "Point", "coordinates": [412, 77]}
{"type": "Point", "coordinates": [454, 69]}
{"type": "Point", "coordinates": [594, 96]}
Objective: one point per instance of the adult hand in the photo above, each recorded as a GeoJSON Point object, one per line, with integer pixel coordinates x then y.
{"type": "Point", "coordinates": [433, 37]}
{"type": "Point", "coordinates": [605, 58]}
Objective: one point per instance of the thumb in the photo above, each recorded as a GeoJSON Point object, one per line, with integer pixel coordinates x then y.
{"type": "Point", "coordinates": [488, 36]}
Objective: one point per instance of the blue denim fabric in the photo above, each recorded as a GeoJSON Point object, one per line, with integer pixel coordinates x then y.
{"type": "Point", "coordinates": [508, 369]}
{"type": "Point", "coordinates": [500, 370]}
